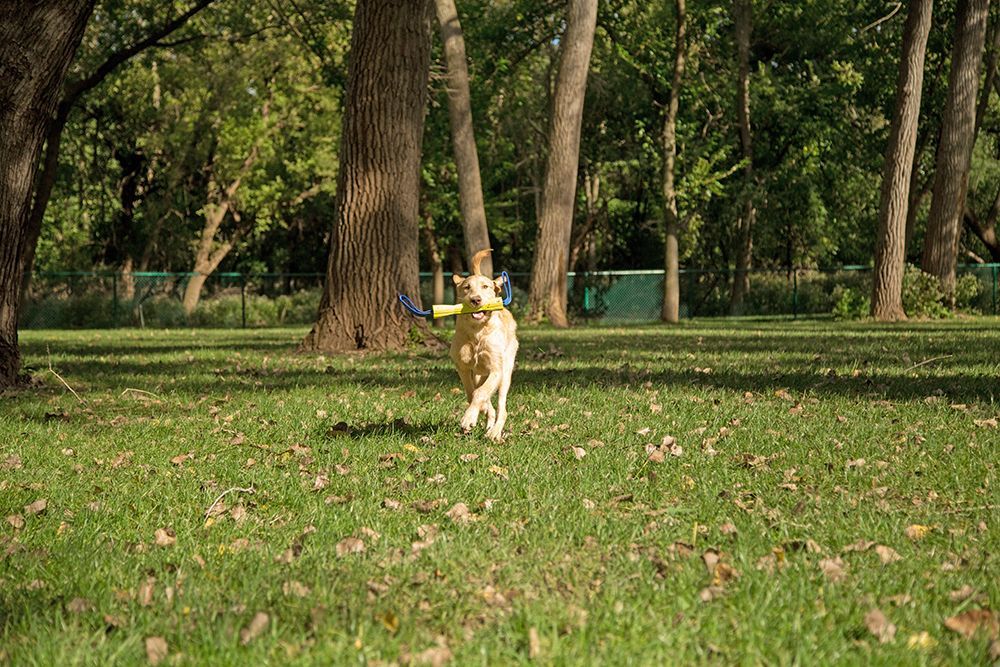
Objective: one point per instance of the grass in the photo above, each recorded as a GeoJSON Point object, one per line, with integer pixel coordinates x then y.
{"type": "Point", "coordinates": [796, 440]}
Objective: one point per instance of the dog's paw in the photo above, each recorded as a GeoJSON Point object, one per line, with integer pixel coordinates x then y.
{"type": "Point", "coordinates": [495, 434]}
{"type": "Point", "coordinates": [469, 422]}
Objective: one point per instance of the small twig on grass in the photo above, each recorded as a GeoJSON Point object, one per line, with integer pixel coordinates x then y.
{"type": "Point", "coordinates": [140, 391]}
{"type": "Point", "coordinates": [927, 361]}
{"type": "Point", "coordinates": [222, 495]}
{"type": "Point", "coordinates": [65, 384]}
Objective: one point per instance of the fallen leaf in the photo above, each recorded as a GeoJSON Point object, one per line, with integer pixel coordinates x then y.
{"type": "Point", "coordinates": [499, 472]}
{"type": "Point", "coordinates": [468, 458]}
{"type": "Point", "coordinates": [879, 625]}
{"type": "Point", "coordinates": [181, 458]}
{"type": "Point", "coordinates": [16, 520]}
{"type": "Point", "coordinates": [968, 623]}
{"type": "Point", "coordinates": [320, 482]}
{"type": "Point", "coordinates": [12, 462]}
{"type": "Point", "coordinates": [79, 605]}
{"type": "Point", "coordinates": [156, 649]}
{"type": "Point", "coordinates": [460, 514]}
{"type": "Point", "coordinates": [258, 624]}
{"type": "Point", "coordinates": [145, 594]}
{"type": "Point", "coordinates": [437, 479]}
{"type": "Point", "coordinates": [995, 650]}
{"type": "Point", "coordinates": [656, 456]}
{"type": "Point", "coordinates": [986, 423]}
{"type": "Point", "coordinates": [710, 593]}
{"type": "Point", "coordinates": [534, 644]}
{"type": "Point", "coordinates": [165, 537]}
{"type": "Point", "coordinates": [389, 621]}
{"type": "Point", "coordinates": [390, 504]}
{"type": "Point", "coordinates": [436, 656]}
{"type": "Point", "coordinates": [887, 554]}
{"type": "Point", "coordinates": [36, 507]}
{"type": "Point", "coordinates": [962, 594]}
{"type": "Point", "coordinates": [921, 640]}
{"type": "Point", "coordinates": [833, 568]}
{"type": "Point", "coordinates": [579, 452]}
{"type": "Point", "coordinates": [917, 531]}
{"type": "Point", "coordinates": [350, 545]}
{"type": "Point", "coordinates": [295, 588]}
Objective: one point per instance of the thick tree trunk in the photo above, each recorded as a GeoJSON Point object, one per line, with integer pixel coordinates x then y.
{"type": "Point", "coordinates": [890, 244]}
{"type": "Point", "coordinates": [951, 176]}
{"type": "Point", "coordinates": [671, 273]}
{"type": "Point", "coordinates": [37, 43]}
{"type": "Point", "coordinates": [547, 296]}
{"type": "Point", "coordinates": [470, 188]}
{"type": "Point", "coordinates": [375, 237]}
{"type": "Point", "coordinates": [743, 20]}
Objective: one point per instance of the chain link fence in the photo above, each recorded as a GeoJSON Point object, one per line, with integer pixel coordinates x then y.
{"type": "Point", "coordinates": [65, 300]}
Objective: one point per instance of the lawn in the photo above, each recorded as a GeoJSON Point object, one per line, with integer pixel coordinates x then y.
{"type": "Point", "coordinates": [722, 492]}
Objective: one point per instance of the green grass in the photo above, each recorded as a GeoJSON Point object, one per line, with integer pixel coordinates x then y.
{"type": "Point", "coordinates": [590, 554]}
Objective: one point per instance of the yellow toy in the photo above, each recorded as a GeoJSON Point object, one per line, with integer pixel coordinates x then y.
{"type": "Point", "coordinates": [446, 310]}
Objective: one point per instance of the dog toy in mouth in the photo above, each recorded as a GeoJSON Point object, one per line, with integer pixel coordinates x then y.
{"type": "Point", "coordinates": [445, 310]}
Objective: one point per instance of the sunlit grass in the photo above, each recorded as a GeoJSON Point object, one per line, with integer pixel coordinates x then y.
{"type": "Point", "coordinates": [793, 440]}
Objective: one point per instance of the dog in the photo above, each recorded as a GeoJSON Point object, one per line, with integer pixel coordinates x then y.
{"type": "Point", "coordinates": [483, 350]}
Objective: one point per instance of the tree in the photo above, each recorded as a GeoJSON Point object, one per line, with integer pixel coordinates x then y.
{"type": "Point", "coordinates": [954, 155]}
{"type": "Point", "coordinates": [375, 236]}
{"type": "Point", "coordinates": [470, 188]}
{"type": "Point", "coordinates": [548, 294]}
{"type": "Point", "coordinates": [37, 43]}
{"type": "Point", "coordinates": [73, 91]}
{"type": "Point", "coordinates": [671, 275]}
{"type": "Point", "coordinates": [743, 22]}
{"type": "Point", "coordinates": [890, 249]}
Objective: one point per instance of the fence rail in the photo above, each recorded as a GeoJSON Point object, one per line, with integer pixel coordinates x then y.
{"type": "Point", "coordinates": [107, 299]}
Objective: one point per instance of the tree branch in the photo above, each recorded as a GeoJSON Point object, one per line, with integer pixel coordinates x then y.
{"type": "Point", "coordinates": [77, 88]}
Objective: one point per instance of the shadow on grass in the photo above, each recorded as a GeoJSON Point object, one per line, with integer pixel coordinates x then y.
{"type": "Point", "coordinates": [397, 427]}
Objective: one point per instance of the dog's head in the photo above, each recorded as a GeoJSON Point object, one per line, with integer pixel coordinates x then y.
{"type": "Point", "coordinates": [475, 288]}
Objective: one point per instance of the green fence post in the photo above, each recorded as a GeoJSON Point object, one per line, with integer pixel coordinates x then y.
{"type": "Point", "coordinates": [243, 298]}
{"type": "Point", "coordinates": [795, 294]}
{"type": "Point", "coordinates": [114, 300]}
{"type": "Point", "coordinates": [995, 273]}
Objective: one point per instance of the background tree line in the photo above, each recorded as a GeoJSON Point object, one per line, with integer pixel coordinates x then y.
{"type": "Point", "coordinates": [206, 135]}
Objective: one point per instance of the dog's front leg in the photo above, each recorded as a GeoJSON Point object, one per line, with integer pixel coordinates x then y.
{"type": "Point", "coordinates": [494, 431]}
{"type": "Point", "coordinates": [481, 401]}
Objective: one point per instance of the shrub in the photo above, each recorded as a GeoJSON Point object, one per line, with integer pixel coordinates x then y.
{"type": "Point", "coordinates": [850, 304]}
{"type": "Point", "coordinates": [968, 287]}
{"type": "Point", "coordinates": [922, 296]}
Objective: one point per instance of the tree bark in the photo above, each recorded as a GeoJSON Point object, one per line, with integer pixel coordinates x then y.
{"type": "Point", "coordinates": [671, 273]}
{"type": "Point", "coordinates": [375, 238]}
{"type": "Point", "coordinates": [37, 43]}
{"type": "Point", "coordinates": [547, 296]}
{"type": "Point", "coordinates": [951, 176]}
{"type": "Point", "coordinates": [743, 20]}
{"type": "Point", "coordinates": [470, 188]}
{"type": "Point", "coordinates": [890, 245]}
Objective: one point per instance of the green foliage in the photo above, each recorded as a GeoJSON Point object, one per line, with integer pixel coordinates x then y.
{"type": "Point", "coordinates": [849, 304]}
{"type": "Point", "coordinates": [922, 296]}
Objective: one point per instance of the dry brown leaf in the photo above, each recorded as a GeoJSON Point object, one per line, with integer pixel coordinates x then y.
{"type": "Point", "coordinates": [16, 520]}
{"type": "Point", "coordinates": [79, 606]}
{"type": "Point", "coordinates": [436, 656]}
{"type": "Point", "coordinates": [156, 649]}
{"type": "Point", "coordinates": [962, 594]}
{"type": "Point", "coordinates": [145, 594]}
{"type": "Point", "coordinates": [390, 504]}
{"type": "Point", "coordinates": [986, 423]}
{"type": "Point", "coordinates": [500, 472]}
{"type": "Point", "coordinates": [995, 650]}
{"type": "Point", "coordinates": [295, 588]}
{"type": "Point", "coordinates": [460, 514]}
{"type": "Point", "coordinates": [36, 507]}
{"type": "Point", "coordinates": [238, 513]}
{"type": "Point", "coordinates": [468, 458]}
{"type": "Point", "coordinates": [887, 554]}
{"type": "Point", "coordinates": [534, 644]}
{"type": "Point", "coordinates": [921, 640]}
{"type": "Point", "coordinates": [727, 529]}
{"type": "Point", "coordinates": [165, 537]}
{"type": "Point", "coordinates": [258, 624]}
{"type": "Point", "coordinates": [916, 531]}
{"type": "Point", "coordinates": [860, 545]}
{"type": "Point", "coordinates": [879, 625]}
{"type": "Point", "coordinates": [181, 458]}
{"type": "Point", "coordinates": [656, 456]}
{"type": "Point", "coordinates": [579, 452]}
{"type": "Point", "coordinates": [320, 482]}
{"type": "Point", "coordinates": [12, 462]}
{"type": "Point", "coordinates": [833, 568]}
{"type": "Point", "coordinates": [350, 545]}
{"type": "Point", "coordinates": [437, 479]}
{"type": "Point", "coordinates": [968, 623]}
{"type": "Point", "coordinates": [710, 593]}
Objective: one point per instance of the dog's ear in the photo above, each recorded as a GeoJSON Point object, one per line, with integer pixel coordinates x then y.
{"type": "Point", "coordinates": [457, 279]}
{"type": "Point", "coordinates": [498, 285]}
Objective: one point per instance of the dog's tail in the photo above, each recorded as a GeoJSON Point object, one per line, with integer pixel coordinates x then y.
{"type": "Point", "coordinates": [477, 259]}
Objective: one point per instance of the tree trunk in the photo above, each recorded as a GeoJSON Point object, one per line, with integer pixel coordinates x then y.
{"type": "Point", "coordinates": [547, 296]}
{"type": "Point", "coordinates": [208, 254]}
{"type": "Point", "coordinates": [743, 20]}
{"type": "Point", "coordinates": [890, 245]}
{"type": "Point", "coordinates": [671, 273]}
{"type": "Point", "coordinates": [986, 230]}
{"type": "Point", "coordinates": [951, 176]}
{"type": "Point", "coordinates": [375, 237]}
{"type": "Point", "coordinates": [437, 265]}
{"type": "Point", "coordinates": [37, 43]}
{"type": "Point", "coordinates": [470, 188]}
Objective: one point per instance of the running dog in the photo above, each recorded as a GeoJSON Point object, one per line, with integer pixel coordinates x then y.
{"type": "Point", "coordinates": [483, 350]}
